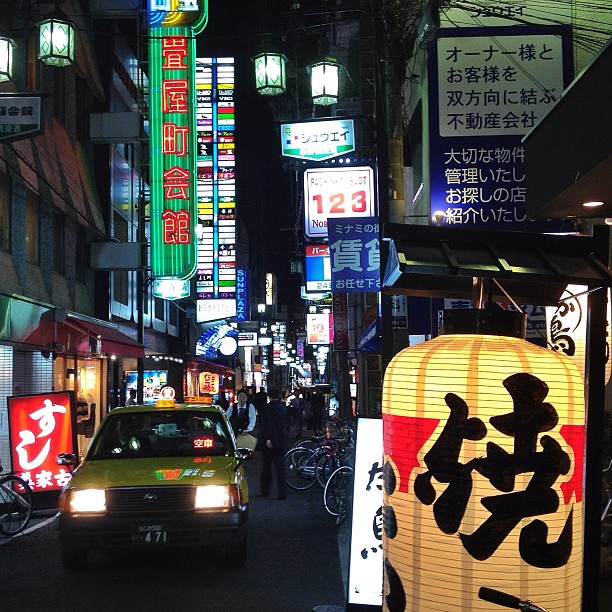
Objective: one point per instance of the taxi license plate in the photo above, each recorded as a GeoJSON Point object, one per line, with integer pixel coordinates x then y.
{"type": "Point", "coordinates": [149, 534]}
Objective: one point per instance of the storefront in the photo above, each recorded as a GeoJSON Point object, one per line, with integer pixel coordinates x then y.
{"type": "Point", "coordinates": [44, 349]}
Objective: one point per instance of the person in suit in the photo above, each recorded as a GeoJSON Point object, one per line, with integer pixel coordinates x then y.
{"type": "Point", "coordinates": [274, 423]}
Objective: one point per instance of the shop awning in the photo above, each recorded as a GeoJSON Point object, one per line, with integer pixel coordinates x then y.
{"type": "Point", "coordinates": [112, 340]}
{"type": "Point", "coordinates": [528, 267]}
{"type": "Point", "coordinates": [215, 368]}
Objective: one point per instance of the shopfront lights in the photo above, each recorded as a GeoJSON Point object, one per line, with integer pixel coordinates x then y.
{"type": "Point", "coordinates": [56, 40]}
{"type": "Point", "coordinates": [6, 59]}
{"type": "Point", "coordinates": [270, 73]}
{"type": "Point", "coordinates": [324, 81]}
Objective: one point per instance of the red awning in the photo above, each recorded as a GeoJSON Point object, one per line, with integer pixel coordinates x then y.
{"type": "Point", "coordinates": [112, 341]}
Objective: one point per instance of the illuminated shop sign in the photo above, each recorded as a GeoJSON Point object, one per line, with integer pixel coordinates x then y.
{"type": "Point", "coordinates": [173, 193]}
{"type": "Point", "coordinates": [153, 382]}
{"type": "Point", "coordinates": [336, 193]}
{"type": "Point", "coordinates": [488, 88]}
{"type": "Point", "coordinates": [318, 140]}
{"type": "Point", "coordinates": [171, 289]}
{"type": "Point", "coordinates": [365, 577]}
{"type": "Point", "coordinates": [242, 295]}
{"type": "Point", "coordinates": [216, 191]}
{"type": "Point", "coordinates": [319, 328]}
{"type": "Point", "coordinates": [40, 427]}
{"type": "Point", "coordinates": [247, 338]}
{"type": "Point", "coordinates": [355, 255]}
{"type": "Point", "coordinates": [318, 269]}
{"type": "Point", "coordinates": [192, 13]}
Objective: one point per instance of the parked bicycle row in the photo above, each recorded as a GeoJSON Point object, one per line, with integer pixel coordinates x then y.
{"type": "Point", "coordinates": [327, 461]}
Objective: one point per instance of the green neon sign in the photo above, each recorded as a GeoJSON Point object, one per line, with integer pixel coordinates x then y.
{"type": "Point", "coordinates": [173, 208]}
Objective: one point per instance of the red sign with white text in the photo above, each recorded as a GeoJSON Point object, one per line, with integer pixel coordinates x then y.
{"type": "Point", "coordinates": [40, 427]}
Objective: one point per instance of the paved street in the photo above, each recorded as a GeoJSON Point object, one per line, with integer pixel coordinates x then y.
{"type": "Point", "coordinates": [294, 565]}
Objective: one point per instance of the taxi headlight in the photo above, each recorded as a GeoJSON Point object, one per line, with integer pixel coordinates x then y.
{"type": "Point", "coordinates": [216, 496]}
{"type": "Point", "coordinates": [86, 500]}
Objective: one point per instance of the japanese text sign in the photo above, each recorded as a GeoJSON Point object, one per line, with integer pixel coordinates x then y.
{"type": "Point", "coordinates": [318, 272]}
{"type": "Point", "coordinates": [355, 255]}
{"type": "Point", "coordinates": [173, 204]}
{"type": "Point", "coordinates": [489, 87]}
{"type": "Point", "coordinates": [484, 455]}
{"type": "Point", "coordinates": [318, 140]}
{"type": "Point", "coordinates": [40, 427]}
{"type": "Point", "coordinates": [335, 193]}
{"type": "Point", "coordinates": [366, 559]}
{"type": "Point", "coordinates": [209, 382]}
{"type": "Point", "coordinates": [20, 117]}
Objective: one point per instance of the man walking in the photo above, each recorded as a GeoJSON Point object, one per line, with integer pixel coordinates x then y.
{"type": "Point", "coordinates": [274, 423]}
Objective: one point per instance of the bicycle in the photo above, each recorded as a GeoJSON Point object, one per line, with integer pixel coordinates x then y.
{"type": "Point", "coordinates": [15, 503]}
{"type": "Point", "coordinates": [508, 601]}
{"type": "Point", "coordinates": [338, 493]}
{"type": "Point", "coordinates": [300, 464]}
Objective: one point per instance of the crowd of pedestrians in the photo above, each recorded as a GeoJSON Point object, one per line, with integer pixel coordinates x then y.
{"type": "Point", "coordinates": [274, 418]}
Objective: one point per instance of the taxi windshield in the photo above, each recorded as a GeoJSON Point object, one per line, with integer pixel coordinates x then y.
{"type": "Point", "coordinates": [160, 433]}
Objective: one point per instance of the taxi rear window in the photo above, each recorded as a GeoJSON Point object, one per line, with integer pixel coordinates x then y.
{"type": "Point", "coordinates": [160, 433]}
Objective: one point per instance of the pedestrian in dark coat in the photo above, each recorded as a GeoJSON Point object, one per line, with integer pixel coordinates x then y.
{"type": "Point", "coordinates": [274, 422]}
{"type": "Point", "coordinates": [318, 408]}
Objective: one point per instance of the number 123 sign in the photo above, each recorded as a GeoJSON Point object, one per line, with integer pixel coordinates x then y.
{"type": "Point", "coordinates": [337, 193]}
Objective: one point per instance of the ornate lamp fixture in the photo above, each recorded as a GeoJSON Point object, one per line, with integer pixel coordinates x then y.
{"type": "Point", "coordinates": [270, 73]}
{"type": "Point", "coordinates": [324, 80]}
{"type": "Point", "coordinates": [56, 40]}
{"type": "Point", "coordinates": [6, 59]}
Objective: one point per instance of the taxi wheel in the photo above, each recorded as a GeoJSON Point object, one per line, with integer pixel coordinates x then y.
{"type": "Point", "coordinates": [74, 558]}
{"type": "Point", "coordinates": [237, 555]}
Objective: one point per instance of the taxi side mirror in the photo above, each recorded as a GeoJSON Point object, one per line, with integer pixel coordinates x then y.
{"type": "Point", "coordinates": [69, 459]}
{"type": "Point", "coordinates": [244, 454]}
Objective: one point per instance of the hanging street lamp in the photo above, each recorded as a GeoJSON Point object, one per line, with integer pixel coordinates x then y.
{"type": "Point", "coordinates": [324, 79]}
{"type": "Point", "coordinates": [270, 73]}
{"type": "Point", "coordinates": [6, 59]}
{"type": "Point", "coordinates": [56, 40]}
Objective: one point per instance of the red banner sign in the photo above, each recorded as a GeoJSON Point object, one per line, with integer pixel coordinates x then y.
{"type": "Point", "coordinates": [40, 427]}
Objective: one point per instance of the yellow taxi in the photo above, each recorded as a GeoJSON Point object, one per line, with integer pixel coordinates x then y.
{"type": "Point", "coordinates": [155, 477]}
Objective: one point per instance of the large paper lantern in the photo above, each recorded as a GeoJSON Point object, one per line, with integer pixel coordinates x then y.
{"type": "Point", "coordinates": [483, 443]}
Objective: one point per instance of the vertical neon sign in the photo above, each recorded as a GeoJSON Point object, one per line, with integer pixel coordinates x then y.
{"type": "Point", "coordinates": [216, 269]}
{"type": "Point", "coordinates": [173, 208]}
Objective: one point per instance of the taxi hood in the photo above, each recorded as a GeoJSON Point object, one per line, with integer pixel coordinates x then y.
{"type": "Point", "coordinates": [134, 472]}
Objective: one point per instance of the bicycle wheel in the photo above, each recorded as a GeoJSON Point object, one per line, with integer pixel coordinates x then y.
{"type": "Point", "coordinates": [326, 466]}
{"type": "Point", "coordinates": [15, 504]}
{"type": "Point", "coordinates": [311, 443]}
{"type": "Point", "coordinates": [338, 490]}
{"type": "Point", "coordinates": [300, 466]}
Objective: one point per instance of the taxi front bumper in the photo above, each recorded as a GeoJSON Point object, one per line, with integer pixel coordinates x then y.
{"type": "Point", "coordinates": [192, 529]}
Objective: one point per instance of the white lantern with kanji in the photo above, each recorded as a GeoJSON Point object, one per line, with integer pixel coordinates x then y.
{"type": "Point", "coordinates": [484, 446]}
